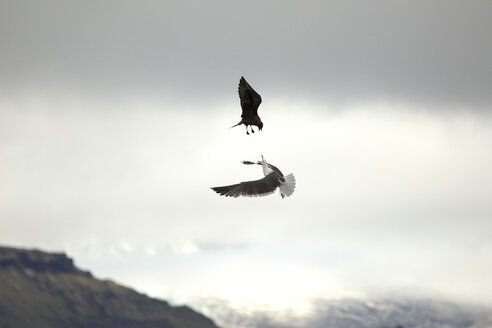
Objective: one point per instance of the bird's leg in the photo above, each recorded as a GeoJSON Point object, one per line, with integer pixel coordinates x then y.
{"type": "Point", "coordinates": [247, 130]}
{"type": "Point", "coordinates": [252, 131]}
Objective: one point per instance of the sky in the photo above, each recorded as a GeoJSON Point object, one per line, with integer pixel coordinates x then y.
{"type": "Point", "coordinates": [114, 123]}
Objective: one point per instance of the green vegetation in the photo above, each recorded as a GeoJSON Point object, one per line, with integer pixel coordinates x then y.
{"type": "Point", "coordinates": [40, 290]}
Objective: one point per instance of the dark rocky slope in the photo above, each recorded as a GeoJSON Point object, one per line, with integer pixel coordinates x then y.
{"type": "Point", "coordinates": [41, 289]}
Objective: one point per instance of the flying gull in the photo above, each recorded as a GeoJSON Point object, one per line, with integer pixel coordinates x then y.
{"type": "Point", "coordinates": [250, 101]}
{"type": "Point", "coordinates": [273, 179]}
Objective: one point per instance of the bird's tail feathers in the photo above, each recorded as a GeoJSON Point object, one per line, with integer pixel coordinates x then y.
{"type": "Point", "coordinates": [240, 122]}
{"type": "Point", "coordinates": [287, 187]}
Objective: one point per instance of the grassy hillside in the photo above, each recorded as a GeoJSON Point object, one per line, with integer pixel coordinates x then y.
{"type": "Point", "coordinates": [41, 289]}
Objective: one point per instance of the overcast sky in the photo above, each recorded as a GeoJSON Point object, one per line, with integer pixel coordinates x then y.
{"type": "Point", "coordinates": [114, 123]}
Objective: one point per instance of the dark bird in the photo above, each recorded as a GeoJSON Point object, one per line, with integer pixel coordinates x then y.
{"type": "Point", "coordinates": [273, 179]}
{"type": "Point", "coordinates": [250, 101]}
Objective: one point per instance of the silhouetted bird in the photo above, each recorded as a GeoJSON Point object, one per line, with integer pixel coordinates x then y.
{"type": "Point", "coordinates": [250, 101]}
{"type": "Point", "coordinates": [273, 179]}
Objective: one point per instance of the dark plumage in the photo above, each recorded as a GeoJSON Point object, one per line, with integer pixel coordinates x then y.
{"type": "Point", "coordinates": [260, 187]}
{"type": "Point", "coordinates": [250, 101]}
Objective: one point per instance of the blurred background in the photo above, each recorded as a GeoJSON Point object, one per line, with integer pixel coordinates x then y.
{"type": "Point", "coordinates": [114, 123]}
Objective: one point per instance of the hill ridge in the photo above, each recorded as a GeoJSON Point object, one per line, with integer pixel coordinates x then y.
{"type": "Point", "coordinates": [41, 289]}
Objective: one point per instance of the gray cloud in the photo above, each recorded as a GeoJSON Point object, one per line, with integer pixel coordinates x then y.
{"type": "Point", "coordinates": [421, 52]}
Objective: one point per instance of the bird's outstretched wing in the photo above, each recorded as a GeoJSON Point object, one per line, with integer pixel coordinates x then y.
{"type": "Point", "coordinates": [251, 163]}
{"type": "Point", "coordinates": [250, 99]}
{"type": "Point", "coordinates": [270, 165]}
{"type": "Point", "coordinates": [255, 188]}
